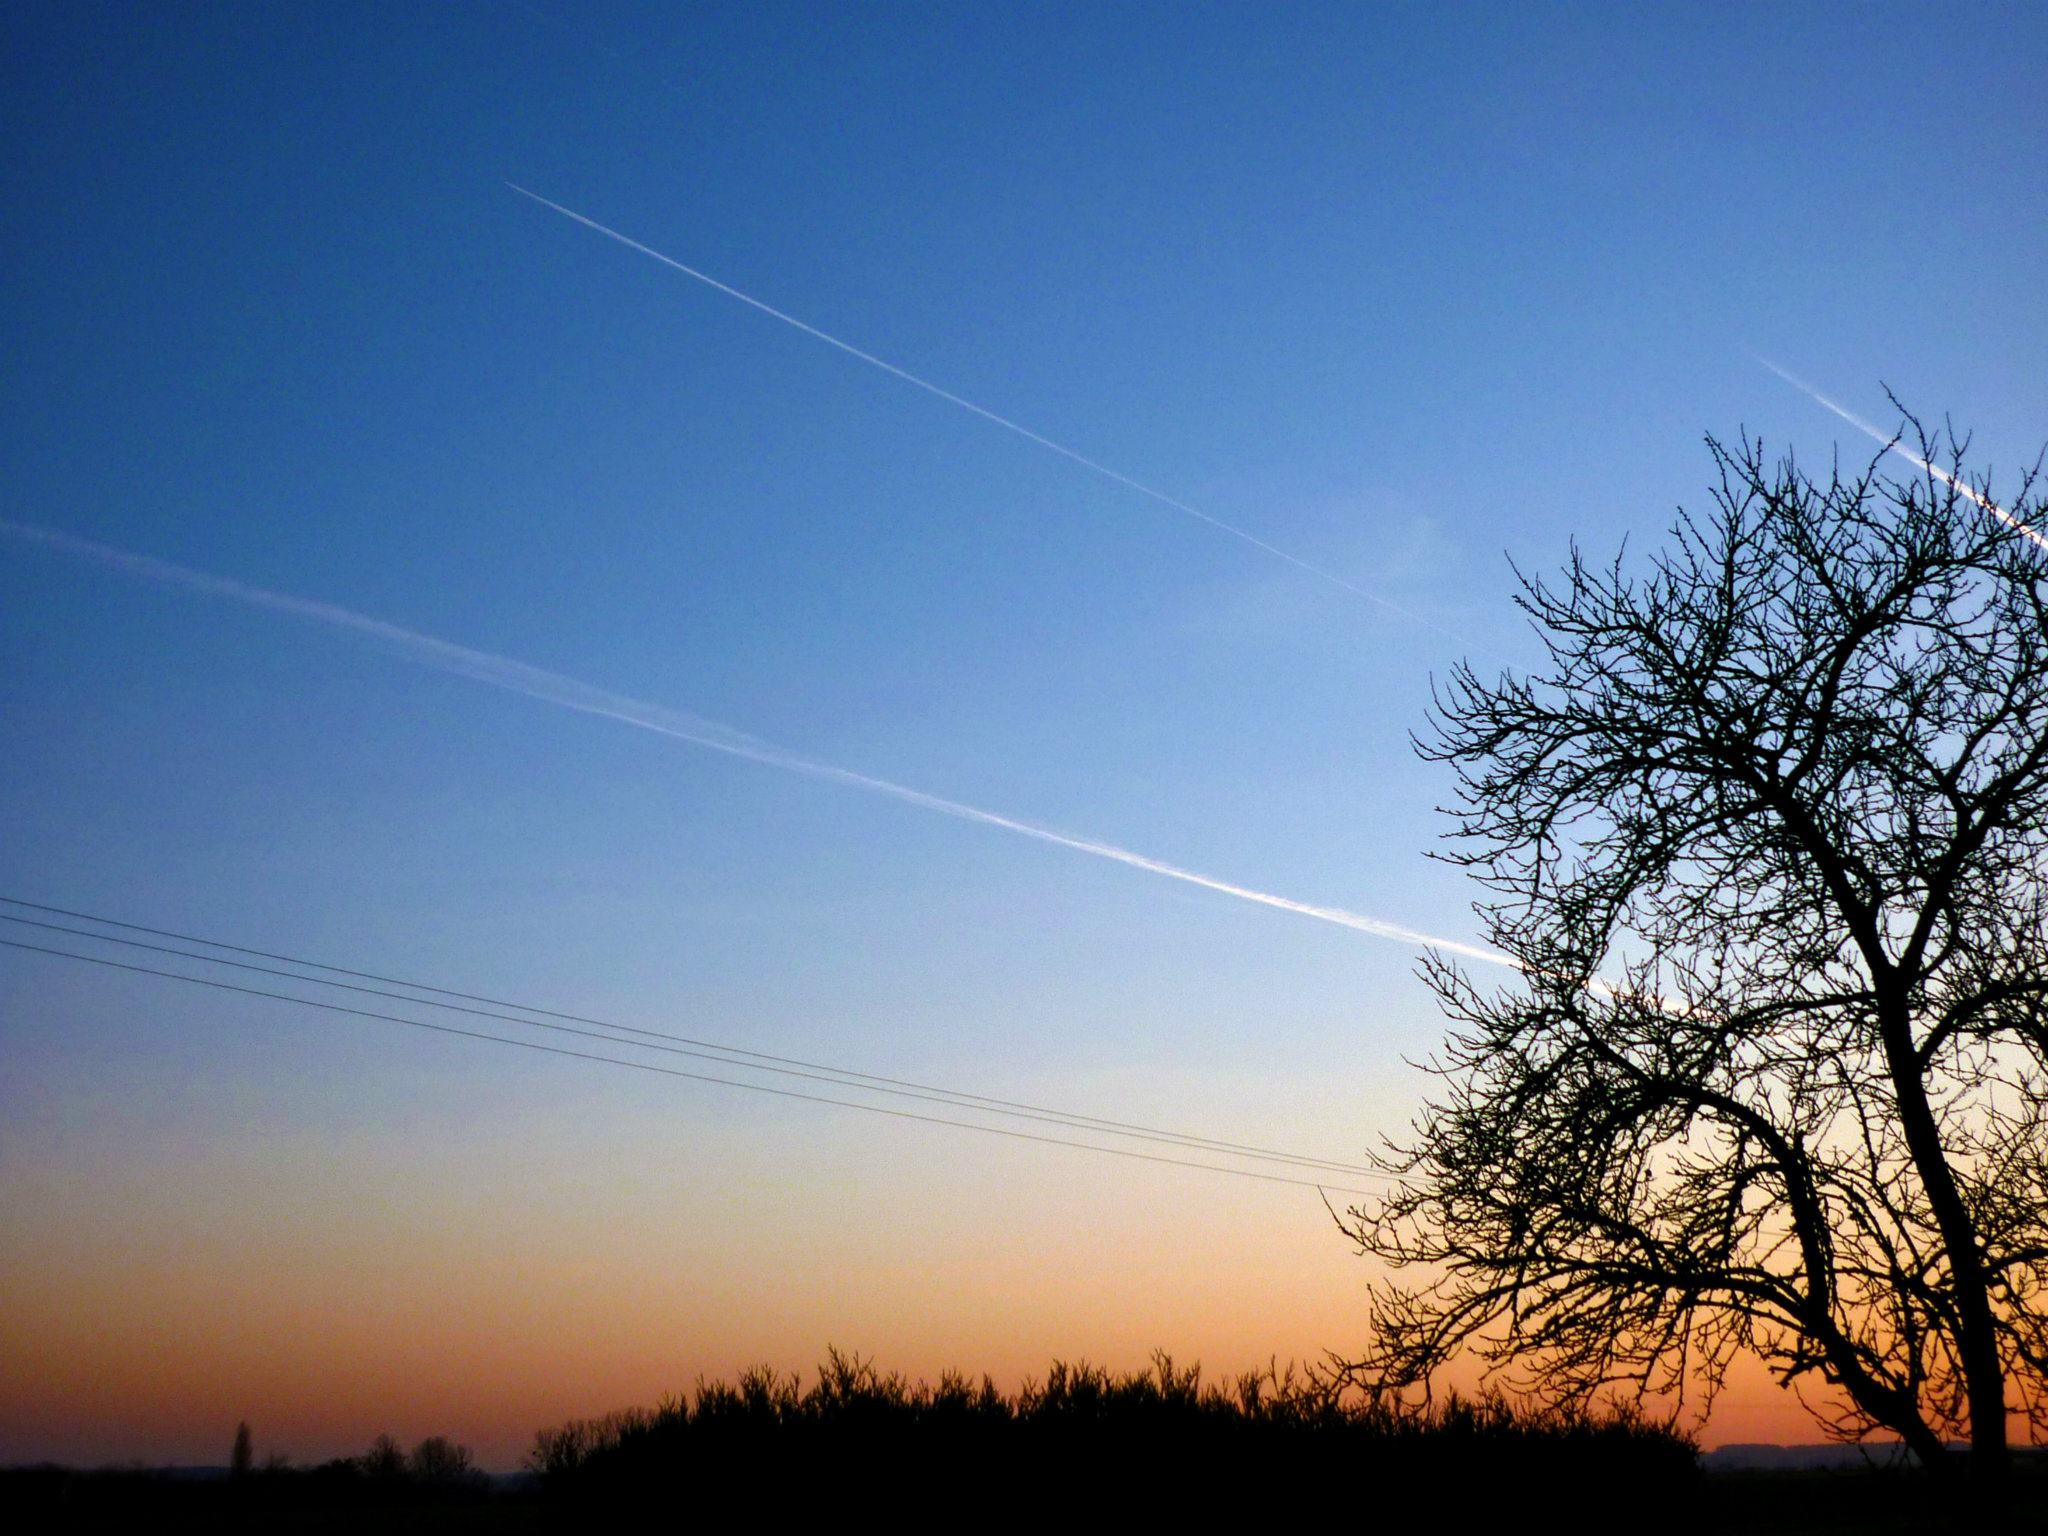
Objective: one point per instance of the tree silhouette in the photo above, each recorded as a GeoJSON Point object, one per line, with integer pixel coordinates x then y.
{"type": "Point", "coordinates": [244, 1455]}
{"type": "Point", "coordinates": [1765, 838]}
{"type": "Point", "coordinates": [384, 1459]}
{"type": "Point", "coordinates": [438, 1459]}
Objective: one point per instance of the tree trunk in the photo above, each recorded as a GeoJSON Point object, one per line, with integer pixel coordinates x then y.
{"type": "Point", "coordinates": [1977, 1341]}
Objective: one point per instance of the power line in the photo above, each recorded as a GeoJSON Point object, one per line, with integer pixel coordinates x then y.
{"type": "Point", "coordinates": [699, 1077]}
{"type": "Point", "coordinates": [586, 698]}
{"type": "Point", "coordinates": [782, 1065]}
{"type": "Point", "coordinates": [825, 1075]}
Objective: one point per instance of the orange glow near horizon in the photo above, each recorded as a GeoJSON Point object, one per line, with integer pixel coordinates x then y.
{"type": "Point", "coordinates": [163, 1389]}
{"type": "Point", "coordinates": [330, 1316]}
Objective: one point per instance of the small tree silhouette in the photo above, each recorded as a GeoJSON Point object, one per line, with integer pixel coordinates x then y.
{"type": "Point", "coordinates": [384, 1458]}
{"type": "Point", "coordinates": [438, 1459]}
{"type": "Point", "coordinates": [244, 1453]}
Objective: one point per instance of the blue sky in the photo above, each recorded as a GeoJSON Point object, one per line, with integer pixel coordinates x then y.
{"type": "Point", "coordinates": [1404, 290]}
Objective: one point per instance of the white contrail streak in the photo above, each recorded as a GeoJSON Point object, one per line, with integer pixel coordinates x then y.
{"type": "Point", "coordinates": [442, 655]}
{"type": "Point", "coordinates": [984, 413]}
{"type": "Point", "coordinates": [569, 693]}
{"type": "Point", "coordinates": [1891, 441]}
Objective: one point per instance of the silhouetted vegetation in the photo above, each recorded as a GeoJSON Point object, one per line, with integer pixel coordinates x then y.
{"type": "Point", "coordinates": [1159, 1442]}
{"type": "Point", "coordinates": [1083, 1448]}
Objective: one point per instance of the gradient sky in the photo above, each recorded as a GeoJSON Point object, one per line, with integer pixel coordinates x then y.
{"type": "Point", "coordinates": [1402, 290]}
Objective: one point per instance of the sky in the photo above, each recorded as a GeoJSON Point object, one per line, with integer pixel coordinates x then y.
{"type": "Point", "coordinates": [1398, 294]}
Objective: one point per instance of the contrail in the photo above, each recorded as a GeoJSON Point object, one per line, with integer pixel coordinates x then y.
{"type": "Point", "coordinates": [986, 414]}
{"type": "Point", "coordinates": [442, 655]}
{"type": "Point", "coordinates": [1891, 441]}
{"type": "Point", "coordinates": [569, 693]}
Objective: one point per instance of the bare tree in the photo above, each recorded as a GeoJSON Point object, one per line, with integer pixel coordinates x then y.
{"type": "Point", "coordinates": [438, 1459]}
{"type": "Point", "coordinates": [384, 1459]}
{"type": "Point", "coordinates": [1765, 838]}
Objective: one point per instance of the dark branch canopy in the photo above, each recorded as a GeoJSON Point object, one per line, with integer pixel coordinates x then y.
{"type": "Point", "coordinates": [1766, 837]}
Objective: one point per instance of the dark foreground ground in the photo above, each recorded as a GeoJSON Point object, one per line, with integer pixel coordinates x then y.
{"type": "Point", "coordinates": [1777, 1503]}
{"type": "Point", "coordinates": [1197, 1494]}
{"type": "Point", "coordinates": [1086, 1450]}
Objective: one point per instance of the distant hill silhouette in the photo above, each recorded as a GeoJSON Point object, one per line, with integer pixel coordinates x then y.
{"type": "Point", "coordinates": [1803, 1458]}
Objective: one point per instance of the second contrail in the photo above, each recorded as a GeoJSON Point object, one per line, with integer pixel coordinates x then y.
{"type": "Point", "coordinates": [985, 413]}
{"type": "Point", "coordinates": [570, 693]}
{"type": "Point", "coordinates": [1893, 443]}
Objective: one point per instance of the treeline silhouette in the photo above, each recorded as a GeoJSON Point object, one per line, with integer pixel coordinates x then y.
{"type": "Point", "coordinates": [436, 1484]}
{"type": "Point", "coordinates": [1084, 1448]}
{"type": "Point", "coordinates": [1158, 1442]}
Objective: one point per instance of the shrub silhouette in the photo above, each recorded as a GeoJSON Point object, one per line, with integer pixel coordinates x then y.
{"type": "Point", "coordinates": [1147, 1443]}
